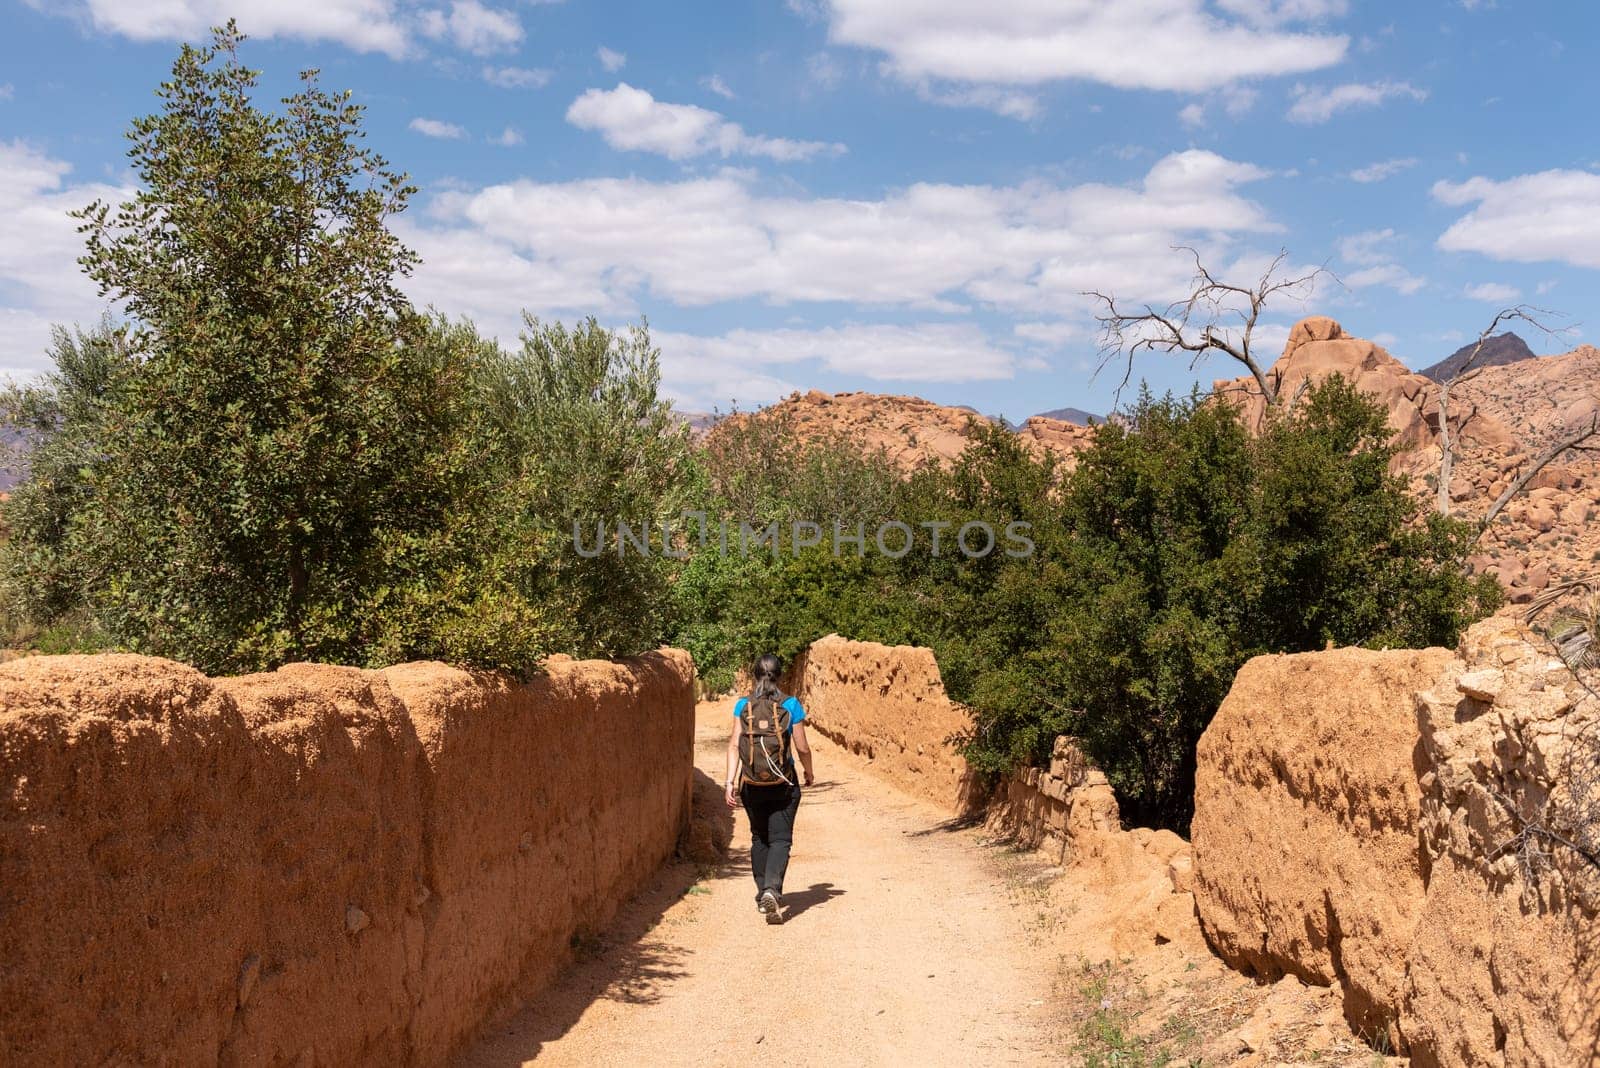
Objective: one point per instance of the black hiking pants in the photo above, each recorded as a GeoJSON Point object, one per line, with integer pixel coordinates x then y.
{"type": "Point", "coordinates": [771, 810]}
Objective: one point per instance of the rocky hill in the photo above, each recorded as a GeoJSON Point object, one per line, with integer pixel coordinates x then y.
{"type": "Point", "coordinates": [1547, 532]}
{"type": "Point", "coordinates": [1499, 350]}
{"type": "Point", "coordinates": [913, 432]}
{"type": "Point", "coordinates": [1507, 414]}
{"type": "Point", "coordinates": [1319, 348]}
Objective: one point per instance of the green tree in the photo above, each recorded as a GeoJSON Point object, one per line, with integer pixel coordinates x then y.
{"type": "Point", "coordinates": [762, 468]}
{"type": "Point", "coordinates": [591, 442]}
{"type": "Point", "coordinates": [1197, 546]}
{"type": "Point", "coordinates": [59, 421]}
{"type": "Point", "coordinates": [268, 430]}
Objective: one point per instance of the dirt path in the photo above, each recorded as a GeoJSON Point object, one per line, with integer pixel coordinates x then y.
{"type": "Point", "coordinates": [901, 948]}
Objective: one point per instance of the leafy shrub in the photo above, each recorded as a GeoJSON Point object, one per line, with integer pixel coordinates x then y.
{"type": "Point", "coordinates": [1179, 547]}
{"type": "Point", "coordinates": [280, 459]}
{"type": "Point", "coordinates": [1196, 546]}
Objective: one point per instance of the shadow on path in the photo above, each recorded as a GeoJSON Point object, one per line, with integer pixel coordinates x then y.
{"type": "Point", "coordinates": [964, 822]}
{"type": "Point", "coordinates": [798, 901]}
{"type": "Point", "coordinates": [627, 962]}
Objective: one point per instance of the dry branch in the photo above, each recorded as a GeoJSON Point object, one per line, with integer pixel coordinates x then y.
{"type": "Point", "coordinates": [1578, 441]}
{"type": "Point", "coordinates": [1469, 370]}
{"type": "Point", "coordinates": [1196, 324]}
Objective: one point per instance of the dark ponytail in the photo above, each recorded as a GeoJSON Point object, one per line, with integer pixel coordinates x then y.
{"type": "Point", "coordinates": [766, 672]}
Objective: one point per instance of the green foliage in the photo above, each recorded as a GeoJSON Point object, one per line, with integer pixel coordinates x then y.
{"type": "Point", "coordinates": [61, 420]}
{"type": "Point", "coordinates": [279, 459]}
{"type": "Point", "coordinates": [262, 440]}
{"type": "Point", "coordinates": [591, 442]}
{"type": "Point", "coordinates": [1179, 547]}
{"type": "Point", "coordinates": [731, 607]}
{"type": "Point", "coordinates": [1197, 546]}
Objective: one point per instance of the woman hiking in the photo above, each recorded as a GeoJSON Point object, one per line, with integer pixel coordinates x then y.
{"type": "Point", "coordinates": [766, 727]}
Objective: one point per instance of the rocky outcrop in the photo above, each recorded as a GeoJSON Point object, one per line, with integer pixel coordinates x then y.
{"type": "Point", "coordinates": [913, 433]}
{"type": "Point", "coordinates": [888, 704]}
{"type": "Point", "coordinates": [1319, 348]}
{"type": "Point", "coordinates": [1549, 530]}
{"type": "Point", "coordinates": [1057, 437]}
{"type": "Point", "coordinates": [1356, 824]}
{"type": "Point", "coordinates": [320, 865]}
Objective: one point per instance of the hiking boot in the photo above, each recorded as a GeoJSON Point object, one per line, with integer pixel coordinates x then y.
{"type": "Point", "coordinates": [768, 904]}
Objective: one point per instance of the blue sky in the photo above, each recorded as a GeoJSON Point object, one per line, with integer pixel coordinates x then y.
{"type": "Point", "coordinates": [902, 196]}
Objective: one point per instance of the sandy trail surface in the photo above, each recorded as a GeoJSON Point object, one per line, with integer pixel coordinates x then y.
{"type": "Point", "coordinates": [900, 948]}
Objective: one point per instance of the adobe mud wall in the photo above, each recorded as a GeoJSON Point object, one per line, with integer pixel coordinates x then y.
{"type": "Point", "coordinates": [1356, 824]}
{"type": "Point", "coordinates": [887, 703]}
{"type": "Point", "coordinates": [321, 865]}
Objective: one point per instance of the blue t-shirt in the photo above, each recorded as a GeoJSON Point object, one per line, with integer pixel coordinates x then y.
{"type": "Point", "coordinates": [790, 705]}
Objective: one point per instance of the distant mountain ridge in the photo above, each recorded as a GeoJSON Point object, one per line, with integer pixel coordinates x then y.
{"type": "Point", "coordinates": [1074, 415]}
{"type": "Point", "coordinates": [1497, 351]}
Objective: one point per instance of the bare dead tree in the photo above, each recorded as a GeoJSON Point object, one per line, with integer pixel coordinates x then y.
{"type": "Point", "coordinates": [1469, 370]}
{"type": "Point", "coordinates": [1215, 317]}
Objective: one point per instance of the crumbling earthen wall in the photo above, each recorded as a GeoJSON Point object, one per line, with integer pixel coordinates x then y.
{"type": "Point", "coordinates": [1055, 808]}
{"type": "Point", "coordinates": [888, 704]}
{"type": "Point", "coordinates": [1305, 825]}
{"type": "Point", "coordinates": [320, 865]}
{"type": "Point", "coordinates": [1357, 817]}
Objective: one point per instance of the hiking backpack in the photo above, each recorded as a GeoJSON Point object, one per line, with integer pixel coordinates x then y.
{"type": "Point", "coordinates": [764, 741]}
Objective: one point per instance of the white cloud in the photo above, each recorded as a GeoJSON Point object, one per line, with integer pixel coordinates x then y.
{"type": "Point", "coordinates": [611, 61]}
{"type": "Point", "coordinates": [40, 281]}
{"type": "Point", "coordinates": [1493, 293]}
{"type": "Point", "coordinates": [1153, 44]}
{"type": "Point", "coordinates": [8, 91]}
{"type": "Point", "coordinates": [1279, 12]}
{"type": "Point", "coordinates": [1271, 337]}
{"type": "Point", "coordinates": [507, 138]}
{"type": "Point", "coordinates": [436, 128]}
{"type": "Point", "coordinates": [474, 27]}
{"type": "Point", "coordinates": [1317, 104]}
{"type": "Point", "coordinates": [1382, 170]}
{"type": "Point", "coordinates": [1385, 274]}
{"type": "Point", "coordinates": [810, 10]}
{"type": "Point", "coordinates": [364, 25]}
{"type": "Point", "coordinates": [517, 77]}
{"type": "Point", "coordinates": [633, 120]}
{"type": "Point", "coordinates": [715, 83]}
{"type": "Point", "coordinates": [1023, 107]}
{"type": "Point", "coordinates": [1370, 250]}
{"type": "Point", "coordinates": [1551, 215]}
{"type": "Point", "coordinates": [1385, 339]}
{"type": "Point", "coordinates": [1238, 100]}
{"type": "Point", "coordinates": [1367, 246]}
{"type": "Point", "coordinates": [824, 70]}
{"type": "Point", "coordinates": [609, 246]}
{"type": "Point", "coordinates": [923, 352]}
{"type": "Point", "coordinates": [1053, 334]}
